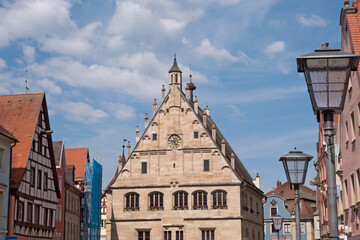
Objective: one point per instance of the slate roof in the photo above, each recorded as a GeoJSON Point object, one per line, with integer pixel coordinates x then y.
{"type": "Point", "coordinates": [175, 67]}
{"type": "Point", "coordinates": [306, 195]}
{"type": "Point", "coordinates": [18, 114]}
{"type": "Point", "coordinates": [77, 157]}
{"type": "Point", "coordinates": [6, 133]}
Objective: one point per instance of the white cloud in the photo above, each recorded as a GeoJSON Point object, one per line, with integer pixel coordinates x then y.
{"type": "Point", "coordinates": [76, 43]}
{"type": "Point", "coordinates": [29, 53]}
{"type": "Point", "coordinates": [235, 114]}
{"type": "Point", "coordinates": [76, 74]}
{"type": "Point", "coordinates": [33, 19]}
{"type": "Point", "coordinates": [275, 48]}
{"type": "Point", "coordinates": [207, 50]}
{"type": "Point", "coordinates": [312, 21]}
{"type": "Point", "coordinates": [120, 111]}
{"type": "Point", "coordinates": [49, 86]}
{"type": "Point", "coordinates": [2, 63]}
{"type": "Point", "coordinates": [159, 22]}
{"type": "Point", "coordinates": [82, 112]}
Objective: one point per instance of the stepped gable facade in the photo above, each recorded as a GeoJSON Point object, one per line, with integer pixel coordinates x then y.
{"type": "Point", "coordinates": [34, 185]}
{"type": "Point", "coordinates": [183, 180]}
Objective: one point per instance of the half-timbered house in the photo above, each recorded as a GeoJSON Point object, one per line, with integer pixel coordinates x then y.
{"type": "Point", "coordinates": [34, 185]}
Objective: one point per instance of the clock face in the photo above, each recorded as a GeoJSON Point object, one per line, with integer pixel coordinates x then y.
{"type": "Point", "coordinates": [174, 141]}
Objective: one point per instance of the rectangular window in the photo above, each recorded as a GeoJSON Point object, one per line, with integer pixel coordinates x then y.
{"type": "Point", "coordinates": [1, 202]}
{"type": "Point", "coordinates": [32, 176]}
{"type": "Point", "coordinates": [353, 131]}
{"type": "Point", "coordinates": [346, 132]}
{"type": "Point", "coordinates": [206, 165]}
{"type": "Point", "coordinates": [302, 227]}
{"type": "Point", "coordinates": [51, 215]}
{"type": "Point", "coordinates": [352, 189]}
{"type": "Point", "coordinates": [273, 211]}
{"type": "Point", "coordinates": [36, 214]}
{"type": "Point", "coordinates": [39, 179]}
{"type": "Point", "coordinates": [143, 235]}
{"type": "Point", "coordinates": [20, 212]}
{"type": "Point", "coordinates": [2, 159]}
{"type": "Point", "coordinates": [29, 213]}
{"type": "Point", "coordinates": [180, 235]}
{"type": "Point", "coordinates": [45, 219]}
{"type": "Point", "coordinates": [60, 183]}
{"type": "Point", "coordinates": [144, 167]}
{"type": "Point", "coordinates": [196, 134]}
{"type": "Point", "coordinates": [60, 209]}
{"type": "Point", "coordinates": [154, 136]}
{"type": "Point", "coordinates": [287, 228]}
{"type": "Point", "coordinates": [208, 234]}
{"type": "Point", "coordinates": [45, 182]}
{"type": "Point", "coordinates": [167, 235]}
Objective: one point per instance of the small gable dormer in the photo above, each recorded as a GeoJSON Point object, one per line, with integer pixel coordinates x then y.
{"type": "Point", "coordinates": [175, 77]}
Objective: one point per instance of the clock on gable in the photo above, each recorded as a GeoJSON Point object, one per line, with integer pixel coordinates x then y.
{"type": "Point", "coordinates": [174, 141]}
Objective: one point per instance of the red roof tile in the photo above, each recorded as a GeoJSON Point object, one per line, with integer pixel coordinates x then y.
{"type": "Point", "coordinates": [18, 114]}
{"type": "Point", "coordinates": [77, 157]}
{"type": "Point", "coordinates": [354, 27]}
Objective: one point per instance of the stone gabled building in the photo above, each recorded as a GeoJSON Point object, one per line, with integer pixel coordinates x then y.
{"type": "Point", "coordinates": [34, 185]}
{"type": "Point", "coordinates": [183, 180]}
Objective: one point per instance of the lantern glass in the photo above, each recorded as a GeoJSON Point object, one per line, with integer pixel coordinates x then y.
{"type": "Point", "coordinates": [277, 222]}
{"type": "Point", "coordinates": [295, 165]}
{"type": "Point", "coordinates": [327, 73]}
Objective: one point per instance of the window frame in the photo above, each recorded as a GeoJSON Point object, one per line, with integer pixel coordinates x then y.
{"type": "Point", "coordinates": [32, 176]}
{"type": "Point", "coordinates": [20, 211]}
{"type": "Point", "coordinates": [132, 201]}
{"type": "Point", "coordinates": [142, 234]}
{"type": "Point", "coordinates": [199, 199]}
{"type": "Point", "coordinates": [285, 228]}
{"type": "Point", "coordinates": [180, 197]}
{"type": "Point", "coordinates": [219, 199]}
{"type": "Point", "coordinates": [144, 168]}
{"type": "Point", "coordinates": [196, 134]}
{"type": "Point", "coordinates": [45, 183]}
{"type": "Point", "coordinates": [154, 137]}
{"type": "Point", "coordinates": [206, 165]}
{"type": "Point", "coordinates": [29, 212]}
{"type": "Point", "coordinates": [208, 233]}
{"type": "Point", "coordinates": [2, 158]}
{"type": "Point", "coordinates": [156, 197]}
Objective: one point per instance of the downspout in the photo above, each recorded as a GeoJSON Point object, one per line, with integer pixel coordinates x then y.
{"type": "Point", "coordinates": [9, 197]}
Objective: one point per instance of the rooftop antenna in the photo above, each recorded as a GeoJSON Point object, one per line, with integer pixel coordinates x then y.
{"type": "Point", "coordinates": [27, 88]}
{"type": "Point", "coordinates": [190, 73]}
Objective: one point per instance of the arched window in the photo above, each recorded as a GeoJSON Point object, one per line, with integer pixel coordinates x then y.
{"type": "Point", "coordinates": [199, 200]}
{"type": "Point", "coordinates": [219, 199]}
{"type": "Point", "coordinates": [180, 200]}
{"type": "Point", "coordinates": [156, 201]}
{"type": "Point", "coordinates": [176, 78]}
{"type": "Point", "coordinates": [132, 202]}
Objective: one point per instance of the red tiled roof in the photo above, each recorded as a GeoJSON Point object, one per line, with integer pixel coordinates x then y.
{"type": "Point", "coordinates": [18, 114]}
{"type": "Point", "coordinates": [77, 157]}
{"type": "Point", "coordinates": [6, 133]}
{"type": "Point", "coordinates": [354, 27]}
{"type": "Point", "coordinates": [306, 195]}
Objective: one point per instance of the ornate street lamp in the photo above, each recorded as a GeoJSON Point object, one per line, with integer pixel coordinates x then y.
{"type": "Point", "coordinates": [277, 223]}
{"type": "Point", "coordinates": [327, 73]}
{"type": "Point", "coordinates": [295, 165]}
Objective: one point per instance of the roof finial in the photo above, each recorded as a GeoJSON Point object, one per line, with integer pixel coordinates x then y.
{"type": "Point", "coordinates": [123, 146]}
{"type": "Point", "coordinates": [190, 73]}
{"type": "Point", "coordinates": [175, 57]}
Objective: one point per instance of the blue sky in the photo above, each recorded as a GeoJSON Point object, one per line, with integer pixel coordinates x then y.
{"type": "Point", "coordinates": [102, 63]}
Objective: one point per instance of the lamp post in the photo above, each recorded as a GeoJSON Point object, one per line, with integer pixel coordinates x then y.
{"type": "Point", "coordinates": [277, 223]}
{"type": "Point", "coordinates": [295, 165]}
{"type": "Point", "coordinates": [327, 72]}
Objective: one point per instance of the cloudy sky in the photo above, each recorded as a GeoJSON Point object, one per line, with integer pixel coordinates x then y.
{"type": "Point", "coordinates": [102, 63]}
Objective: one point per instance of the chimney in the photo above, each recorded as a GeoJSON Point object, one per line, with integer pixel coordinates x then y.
{"type": "Point", "coordinates": [187, 92]}
{"type": "Point", "coordinates": [163, 93]}
{"type": "Point", "coordinates": [146, 120]}
{"type": "Point", "coordinates": [204, 118]}
{"type": "Point", "coordinates": [256, 181]}
{"type": "Point", "coordinates": [233, 160]}
{"type": "Point", "coordinates": [155, 106]}
{"type": "Point", "coordinates": [223, 146]}
{"type": "Point", "coordinates": [278, 183]}
{"type": "Point", "coordinates": [137, 134]}
{"type": "Point", "coordinates": [196, 107]}
{"type": "Point", "coordinates": [128, 149]}
{"type": "Point", "coordinates": [213, 128]}
{"type": "Point", "coordinates": [346, 3]}
{"type": "Point", "coordinates": [120, 164]}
